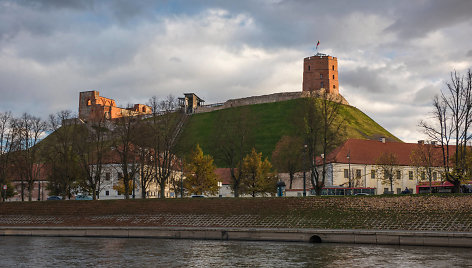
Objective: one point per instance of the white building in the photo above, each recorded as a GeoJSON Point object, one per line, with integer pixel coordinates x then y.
{"type": "Point", "coordinates": [354, 165]}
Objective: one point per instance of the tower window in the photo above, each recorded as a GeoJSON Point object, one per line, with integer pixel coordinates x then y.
{"type": "Point", "coordinates": [321, 75]}
{"type": "Point", "coordinates": [334, 86]}
{"type": "Point", "coordinates": [333, 76]}
{"type": "Point", "coordinates": [308, 67]}
{"type": "Point", "coordinates": [333, 67]}
{"type": "Point", "coordinates": [321, 85]}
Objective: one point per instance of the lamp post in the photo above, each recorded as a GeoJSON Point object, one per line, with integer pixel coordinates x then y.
{"type": "Point", "coordinates": [349, 171]}
{"type": "Point", "coordinates": [304, 169]}
{"type": "Point", "coordinates": [181, 180]}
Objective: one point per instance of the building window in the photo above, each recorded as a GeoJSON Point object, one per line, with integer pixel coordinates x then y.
{"type": "Point", "coordinates": [399, 190]}
{"type": "Point", "coordinates": [423, 175]}
{"type": "Point", "coordinates": [107, 192]}
{"type": "Point", "coordinates": [89, 102]}
{"type": "Point", "coordinates": [435, 175]}
{"type": "Point", "coordinates": [107, 176]}
{"type": "Point", "coordinates": [308, 67]}
{"type": "Point", "coordinates": [372, 174]}
{"type": "Point", "coordinates": [399, 174]}
{"type": "Point", "coordinates": [321, 85]}
{"type": "Point", "coordinates": [334, 86]}
{"type": "Point", "coordinates": [333, 67]}
{"type": "Point", "coordinates": [321, 76]}
{"type": "Point", "coordinates": [410, 175]}
{"type": "Point", "coordinates": [358, 173]}
{"type": "Point", "coordinates": [333, 76]}
{"type": "Point", "coordinates": [346, 173]}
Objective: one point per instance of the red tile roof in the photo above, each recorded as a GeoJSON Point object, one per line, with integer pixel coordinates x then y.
{"type": "Point", "coordinates": [224, 175]}
{"type": "Point", "coordinates": [368, 151]}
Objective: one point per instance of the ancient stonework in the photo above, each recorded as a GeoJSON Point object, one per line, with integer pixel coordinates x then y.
{"type": "Point", "coordinates": [93, 107]}
{"type": "Point", "coordinates": [320, 72]}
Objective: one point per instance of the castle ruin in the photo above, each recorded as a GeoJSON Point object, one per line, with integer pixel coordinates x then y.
{"type": "Point", "coordinates": [93, 107]}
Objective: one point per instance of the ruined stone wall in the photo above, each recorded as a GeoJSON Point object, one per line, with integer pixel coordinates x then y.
{"type": "Point", "coordinates": [276, 97]}
{"type": "Point", "coordinates": [93, 107]}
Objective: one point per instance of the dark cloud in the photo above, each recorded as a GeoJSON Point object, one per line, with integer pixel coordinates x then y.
{"type": "Point", "coordinates": [131, 50]}
{"type": "Point", "coordinates": [367, 80]}
{"type": "Point", "coordinates": [419, 18]}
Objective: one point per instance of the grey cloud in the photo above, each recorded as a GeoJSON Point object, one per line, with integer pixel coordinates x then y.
{"type": "Point", "coordinates": [367, 80]}
{"type": "Point", "coordinates": [469, 53]}
{"type": "Point", "coordinates": [417, 19]}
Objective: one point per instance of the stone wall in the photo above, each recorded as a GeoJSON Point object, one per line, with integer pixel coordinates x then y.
{"type": "Point", "coordinates": [276, 97]}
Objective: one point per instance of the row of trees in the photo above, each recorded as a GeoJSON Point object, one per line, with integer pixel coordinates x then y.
{"type": "Point", "coordinates": [257, 177]}
{"type": "Point", "coordinates": [75, 153]}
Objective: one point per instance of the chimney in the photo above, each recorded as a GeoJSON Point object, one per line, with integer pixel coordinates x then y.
{"type": "Point", "coordinates": [382, 139]}
{"type": "Point", "coordinates": [421, 142]}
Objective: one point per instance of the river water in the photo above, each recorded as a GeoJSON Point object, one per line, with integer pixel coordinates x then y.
{"type": "Point", "coordinates": [134, 252]}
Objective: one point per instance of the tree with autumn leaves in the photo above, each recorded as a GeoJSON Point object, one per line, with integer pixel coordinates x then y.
{"type": "Point", "coordinates": [257, 175]}
{"type": "Point", "coordinates": [200, 173]}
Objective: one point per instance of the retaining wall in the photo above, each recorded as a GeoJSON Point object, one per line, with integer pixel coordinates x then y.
{"type": "Point", "coordinates": [443, 239]}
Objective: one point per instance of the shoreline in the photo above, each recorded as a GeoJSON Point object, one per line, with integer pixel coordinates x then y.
{"type": "Point", "coordinates": [379, 237]}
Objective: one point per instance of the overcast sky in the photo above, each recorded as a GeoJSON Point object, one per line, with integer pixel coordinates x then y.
{"type": "Point", "coordinates": [393, 56]}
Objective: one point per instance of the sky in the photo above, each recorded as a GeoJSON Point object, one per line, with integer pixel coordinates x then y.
{"type": "Point", "coordinates": [393, 56]}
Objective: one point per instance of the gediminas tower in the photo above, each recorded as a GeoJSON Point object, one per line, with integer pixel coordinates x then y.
{"type": "Point", "coordinates": [321, 71]}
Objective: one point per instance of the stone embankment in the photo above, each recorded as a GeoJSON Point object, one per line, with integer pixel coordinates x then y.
{"type": "Point", "coordinates": [419, 220]}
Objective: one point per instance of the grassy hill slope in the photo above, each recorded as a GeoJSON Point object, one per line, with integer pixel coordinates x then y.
{"type": "Point", "coordinates": [271, 121]}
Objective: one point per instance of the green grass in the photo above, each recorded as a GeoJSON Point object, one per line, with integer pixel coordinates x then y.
{"type": "Point", "coordinates": [271, 121]}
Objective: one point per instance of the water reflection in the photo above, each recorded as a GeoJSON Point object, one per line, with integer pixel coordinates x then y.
{"type": "Point", "coordinates": [110, 252]}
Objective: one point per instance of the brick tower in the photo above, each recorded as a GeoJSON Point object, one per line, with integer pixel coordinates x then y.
{"type": "Point", "coordinates": [321, 71]}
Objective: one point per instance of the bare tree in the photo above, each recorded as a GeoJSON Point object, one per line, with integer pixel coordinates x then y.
{"type": "Point", "coordinates": [323, 131]}
{"type": "Point", "coordinates": [425, 158]}
{"type": "Point", "coordinates": [452, 117]}
{"type": "Point", "coordinates": [6, 146]}
{"type": "Point", "coordinates": [165, 124]}
{"type": "Point", "coordinates": [90, 146]}
{"type": "Point", "coordinates": [233, 142]}
{"type": "Point", "coordinates": [60, 157]}
{"type": "Point", "coordinates": [288, 156]}
{"type": "Point", "coordinates": [144, 156]}
{"type": "Point", "coordinates": [29, 131]}
{"type": "Point", "coordinates": [387, 167]}
{"type": "Point", "coordinates": [124, 138]}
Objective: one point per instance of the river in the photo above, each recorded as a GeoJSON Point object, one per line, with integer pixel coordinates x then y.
{"type": "Point", "coordinates": [136, 252]}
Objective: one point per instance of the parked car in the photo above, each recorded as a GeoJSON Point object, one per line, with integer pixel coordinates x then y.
{"type": "Point", "coordinates": [198, 196]}
{"type": "Point", "coordinates": [361, 194]}
{"type": "Point", "coordinates": [83, 197]}
{"type": "Point", "coordinates": [54, 197]}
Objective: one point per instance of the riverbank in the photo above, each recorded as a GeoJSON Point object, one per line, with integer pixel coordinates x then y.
{"type": "Point", "coordinates": [365, 218]}
{"type": "Point", "coordinates": [409, 238]}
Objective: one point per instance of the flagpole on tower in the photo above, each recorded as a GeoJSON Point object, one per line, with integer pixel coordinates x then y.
{"type": "Point", "coordinates": [317, 44]}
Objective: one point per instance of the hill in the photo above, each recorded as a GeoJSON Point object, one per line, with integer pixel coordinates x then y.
{"type": "Point", "coordinates": [270, 121]}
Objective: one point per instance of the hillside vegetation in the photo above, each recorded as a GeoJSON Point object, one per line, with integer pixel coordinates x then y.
{"type": "Point", "coordinates": [270, 121]}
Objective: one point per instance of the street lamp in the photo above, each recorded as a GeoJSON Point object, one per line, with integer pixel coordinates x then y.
{"type": "Point", "coordinates": [304, 169]}
{"type": "Point", "coordinates": [349, 171]}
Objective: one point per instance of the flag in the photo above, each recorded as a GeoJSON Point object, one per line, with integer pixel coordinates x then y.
{"type": "Point", "coordinates": [317, 44]}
